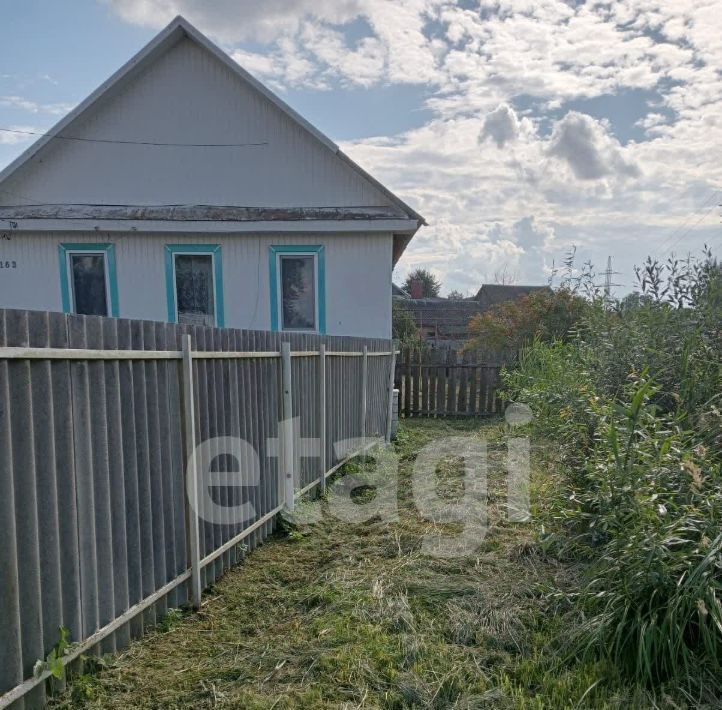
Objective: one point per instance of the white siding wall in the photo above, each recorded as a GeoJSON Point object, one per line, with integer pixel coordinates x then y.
{"type": "Point", "coordinates": [188, 96]}
{"type": "Point", "coordinates": [358, 276]}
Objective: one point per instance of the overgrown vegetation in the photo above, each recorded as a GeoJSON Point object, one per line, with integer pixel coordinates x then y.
{"type": "Point", "coordinates": [404, 326]}
{"type": "Point", "coordinates": [542, 315]}
{"type": "Point", "coordinates": [632, 397]}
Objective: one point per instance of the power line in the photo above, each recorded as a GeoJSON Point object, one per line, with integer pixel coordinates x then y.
{"type": "Point", "coordinates": [689, 229]}
{"type": "Point", "coordinates": [668, 239]}
{"type": "Point", "coordinates": [664, 247]}
{"type": "Point", "coordinates": [122, 142]}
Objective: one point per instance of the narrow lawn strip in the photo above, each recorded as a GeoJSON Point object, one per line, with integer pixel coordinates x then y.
{"type": "Point", "coordinates": [337, 615]}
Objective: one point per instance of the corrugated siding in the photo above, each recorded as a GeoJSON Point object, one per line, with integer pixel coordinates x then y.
{"type": "Point", "coordinates": [92, 495]}
{"type": "Point", "coordinates": [358, 276]}
{"type": "Point", "coordinates": [188, 96]}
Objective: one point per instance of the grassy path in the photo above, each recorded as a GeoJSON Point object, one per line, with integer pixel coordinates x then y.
{"type": "Point", "coordinates": [335, 615]}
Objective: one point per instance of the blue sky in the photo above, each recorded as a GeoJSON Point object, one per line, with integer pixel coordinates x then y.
{"type": "Point", "coordinates": [518, 129]}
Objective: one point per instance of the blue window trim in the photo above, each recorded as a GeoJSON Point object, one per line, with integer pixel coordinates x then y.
{"type": "Point", "coordinates": [319, 252]}
{"type": "Point", "coordinates": [83, 247]}
{"type": "Point", "coordinates": [215, 251]}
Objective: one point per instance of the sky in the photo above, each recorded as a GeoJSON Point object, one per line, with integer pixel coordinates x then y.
{"type": "Point", "coordinates": [520, 129]}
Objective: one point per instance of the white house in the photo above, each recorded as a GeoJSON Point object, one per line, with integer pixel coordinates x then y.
{"type": "Point", "coordinates": [184, 190]}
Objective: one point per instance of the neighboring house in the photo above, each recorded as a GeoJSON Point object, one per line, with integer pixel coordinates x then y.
{"type": "Point", "coordinates": [444, 322]}
{"type": "Point", "coordinates": [398, 291]}
{"type": "Point", "coordinates": [184, 190]}
{"type": "Point", "coordinates": [493, 294]}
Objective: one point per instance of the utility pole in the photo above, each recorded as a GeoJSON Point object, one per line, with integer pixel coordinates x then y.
{"type": "Point", "coordinates": [608, 279]}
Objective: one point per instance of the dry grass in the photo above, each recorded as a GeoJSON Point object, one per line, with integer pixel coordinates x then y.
{"type": "Point", "coordinates": [335, 615]}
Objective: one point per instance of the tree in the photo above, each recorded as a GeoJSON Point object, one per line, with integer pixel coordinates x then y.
{"type": "Point", "coordinates": [404, 325]}
{"type": "Point", "coordinates": [547, 315]}
{"type": "Point", "coordinates": [505, 277]}
{"type": "Point", "coordinates": [431, 286]}
{"type": "Point", "coordinates": [455, 295]}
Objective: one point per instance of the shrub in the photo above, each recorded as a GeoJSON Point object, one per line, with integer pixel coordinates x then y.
{"type": "Point", "coordinates": [632, 394]}
{"type": "Point", "coordinates": [543, 315]}
{"type": "Point", "coordinates": [404, 326]}
{"type": "Point", "coordinates": [554, 380]}
{"type": "Point", "coordinates": [649, 506]}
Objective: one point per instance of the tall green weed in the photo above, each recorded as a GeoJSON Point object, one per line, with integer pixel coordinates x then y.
{"type": "Point", "coordinates": [632, 401]}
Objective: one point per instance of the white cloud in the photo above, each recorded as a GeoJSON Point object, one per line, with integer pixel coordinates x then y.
{"type": "Point", "coordinates": [303, 32]}
{"type": "Point", "coordinates": [235, 20]}
{"type": "Point", "coordinates": [363, 64]}
{"type": "Point", "coordinates": [588, 149]}
{"type": "Point", "coordinates": [287, 66]}
{"type": "Point", "coordinates": [19, 102]}
{"type": "Point", "coordinates": [399, 25]}
{"type": "Point", "coordinates": [501, 125]}
{"type": "Point", "coordinates": [18, 134]}
{"type": "Point", "coordinates": [523, 250]}
{"type": "Point", "coordinates": [538, 245]}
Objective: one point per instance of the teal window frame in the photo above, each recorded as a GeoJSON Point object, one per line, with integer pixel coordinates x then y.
{"type": "Point", "coordinates": [108, 250]}
{"type": "Point", "coordinates": [274, 254]}
{"type": "Point", "coordinates": [215, 251]}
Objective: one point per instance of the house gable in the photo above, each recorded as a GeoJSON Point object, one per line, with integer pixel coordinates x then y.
{"type": "Point", "coordinates": [181, 124]}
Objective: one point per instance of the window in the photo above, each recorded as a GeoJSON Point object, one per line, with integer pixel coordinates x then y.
{"type": "Point", "coordinates": [194, 289]}
{"type": "Point", "coordinates": [297, 288]}
{"type": "Point", "coordinates": [87, 279]}
{"type": "Point", "coordinates": [194, 284]}
{"type": "Point", "coordinates": [298, 293]}
{"type": "Point", "coordinates": [90, 288]}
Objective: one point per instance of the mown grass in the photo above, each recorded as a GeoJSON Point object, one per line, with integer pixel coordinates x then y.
{"type": "Point", "coordinates": [336, 615]}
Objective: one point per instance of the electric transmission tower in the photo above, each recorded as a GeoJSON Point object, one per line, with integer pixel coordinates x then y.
{"type": "Point", "coordinates": [608, 284]}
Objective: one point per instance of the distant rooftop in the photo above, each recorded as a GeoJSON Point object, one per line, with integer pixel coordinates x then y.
{"type": "Point", "coordinates": [444, 319]}
{"type": "Point", "coordinates": [398, 291]}
{"type": "Point", "coordinates": [491, 294]}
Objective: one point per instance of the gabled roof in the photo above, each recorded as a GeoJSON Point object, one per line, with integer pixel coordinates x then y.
{"type": "Point", "coordinates": [450, 318]}
{"type": "Point", "coordinates": [491, 294]}
{"type": "Point", "coordinates": [176, 31]}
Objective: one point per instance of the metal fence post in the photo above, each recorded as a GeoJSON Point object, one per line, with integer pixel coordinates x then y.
{"type": "Point", "coordinates": [189, 423]}
{"type": "Point", "coordinates": [392, 377]}
{"type": "Point", "coordinates": [322, 415]}
{"type": "Point", "coordinates": [287, 460]}
{"type": "Point", "coordinates": [364, 395]}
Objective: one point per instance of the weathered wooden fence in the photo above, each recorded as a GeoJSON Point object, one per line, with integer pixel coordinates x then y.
{"type": "Point", "coordinates": [446, 383]}
{"type": "Point", "coordinates": [97, 420]}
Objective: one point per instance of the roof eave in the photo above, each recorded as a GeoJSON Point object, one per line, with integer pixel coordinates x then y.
{"type": "Point", "coordinates": [350, 226]}
{"type": "Point", "coordinates": [383, 189]}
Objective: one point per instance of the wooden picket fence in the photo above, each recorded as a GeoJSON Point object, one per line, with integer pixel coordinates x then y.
{"type": "Point", "coordinates": [446, 383]}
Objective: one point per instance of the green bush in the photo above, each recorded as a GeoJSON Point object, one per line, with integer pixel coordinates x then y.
{"type": "Point", "coordinates": [649, 507]}
{"type": "Point", "coordinates": [404, 326]}
{"type": "Point", "coordinates": [554, 380]}
{"type": "Point", "coordinates": [631, 400]}
{"type": "Point", "coordinates": [545, 315]}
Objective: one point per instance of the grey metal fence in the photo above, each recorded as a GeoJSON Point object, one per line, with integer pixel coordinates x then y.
{"type": "Point", "coordinates": [97, 533]}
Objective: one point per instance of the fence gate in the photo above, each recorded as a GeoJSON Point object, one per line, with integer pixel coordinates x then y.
{"type": "Point", "coordinates": [446, 383]}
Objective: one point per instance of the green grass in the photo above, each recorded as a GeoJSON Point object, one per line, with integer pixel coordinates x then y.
{"type": "Point", "coordinates": [336, 615]}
